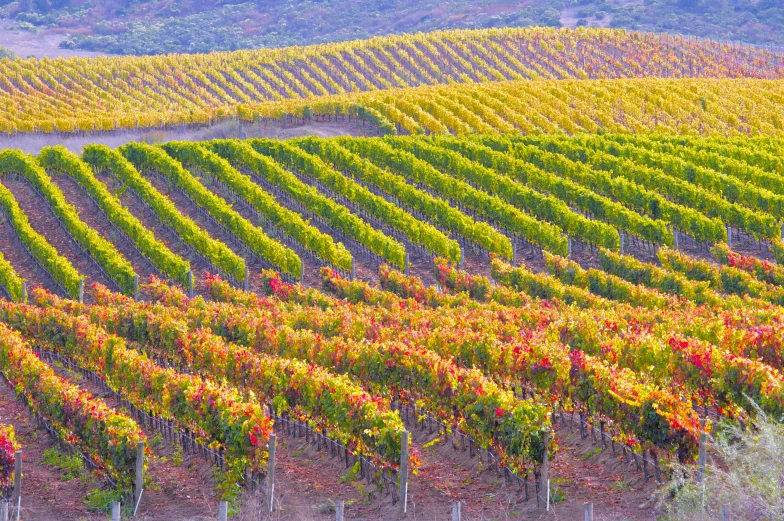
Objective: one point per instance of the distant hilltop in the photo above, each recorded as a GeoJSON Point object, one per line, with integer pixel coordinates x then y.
{"type": "Point", "coordinates": [107, 93]}
{"type": "Point", "coordinates": [161, 27]}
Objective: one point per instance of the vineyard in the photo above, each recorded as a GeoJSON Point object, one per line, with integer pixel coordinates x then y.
{"type": "Point", "coordinates": [540, 232]}
{"type": "Point", "coordinates": [561, 269]}
{"type": "Point", "coordinates": [102, 94]}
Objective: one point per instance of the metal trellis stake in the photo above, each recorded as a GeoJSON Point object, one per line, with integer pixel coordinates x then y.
{"type": "Point", "coordinates": [456, 511]}
{"type": "Point", "coordinates": [544, 478]}
{"type": "Point", "coordinates": [588, 511]}
{"type": "Point", "coordinates": [271, 470]}
{"type": "Point", "coordinates": [138, 488]}
{"type": "Point", "coordinates": [403, 471]}
{"type": "Point", "coordinates": [701, 460]}
{"type": "Point", "coordinates": [17, 497]}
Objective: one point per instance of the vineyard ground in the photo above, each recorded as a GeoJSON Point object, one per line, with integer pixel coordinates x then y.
{"type": "Point", "coordinates": [33, 143]}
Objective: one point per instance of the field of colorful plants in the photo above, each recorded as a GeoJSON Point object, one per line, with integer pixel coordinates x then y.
{"type": "Point", "coordinates": [547, 229]}
{"type": "Point", "coordinates": [490, 282]}
{"type": "Point", "coordinates": [86, 95]}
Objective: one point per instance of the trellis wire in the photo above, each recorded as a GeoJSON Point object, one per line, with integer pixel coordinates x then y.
{"type": "Point", "coordinates": [358, 210]}
{"type": "Point", "coordinates": [420, 417]}
{"type": "Point", "coordinates": [368, 470]}
{"type": "Point", "coordinates": [461, 239]}
{"type": "Point", "coordinates": [457, 203]}
{"type": "Point", "coordinates": [191, 250]}
{"type": "Point", "coordinates": [55, 435]}
{"type": "Point", "coordinates": [235, 241]}
{"type": "Point", "coordinates": [625, 451]}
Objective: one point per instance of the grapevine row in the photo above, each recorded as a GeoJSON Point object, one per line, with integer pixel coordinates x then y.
{"type": "Point", "coordinates": [433, 208]}
{"type": "Point", "coordinates": [84, 421]}
{"type": "Point", "coordinates": [214, 413]}
{"type": "Point", "coordinates": [60, 268]}
{"type": "Point", "coordinates": [336, 216]}
{"type": "Point", "coordinates": [59, 159]}
{"type": "Point", "coordinates": [545, 207]}
{"type": "Point", "coordinates": [147, 158]}
{"type": "Point", "coordinates": [411, 372]}
{"type": "Point", "coordinates": [85, 95]}
{"type": "Point", "coordinates": [305, 163]}
{"type": "Point", "coordinates": [195, 155]}
{"type": "Point", "coordinates": [102, 158]}
{"type": "Point", "coordinates": [112, 261]}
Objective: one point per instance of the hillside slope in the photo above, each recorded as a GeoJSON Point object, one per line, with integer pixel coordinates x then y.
{"type": "Point", "coordinates": [165, 26]}
{"type": "Point", "coordinates": [68, 95]}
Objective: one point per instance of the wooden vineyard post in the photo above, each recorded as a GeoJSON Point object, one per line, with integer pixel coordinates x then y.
{"type": "Point", "coordinates": [403, 471]}
{"type": "Point", "coordinates": [271, 470]}
{"type": "Point", "coordinates": [461, 259]}
{"type": "Point", "coordinates": [407, 264]}
{"type": "Point", "coordinates": [340, 508]}
{"type": "Point", "coordinates": [620, 235]}
{"type": "Point", "coordinates": [24, 292]}
{"type": "Point", "coordinates": [223, 511]}
{"type": "Point", "coordinates": [115, 511]}
{"type": "Point", "coordinates": [81, 291]}
{"type": "Point", "coordinates": [138, 488]}
{"type": "Point", "coordinates": [588, 511]}
{"type": "Point", "coordinates": [514, 253]}
{"type": "Point", "coordinates": [135, 287]}
{"type": "Point", "coordinates": [729, 236]}
{"type": "Point", "coordinates": [17, 497]}
{"type": "Point", "coordinates": [544, 474]}
{"type": "Point", "coordinates": [601, 431]}
{"type": "Point", "coordinates": [353, 272]}
{"type": "Point", "coordinates": [569, 247]}
{"type": "Point", "coordinates": [246, 284]}
{"type": "Point", "coordinates": [190, 283]}
{"type": "Point", "coordinates": [456, 511]}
